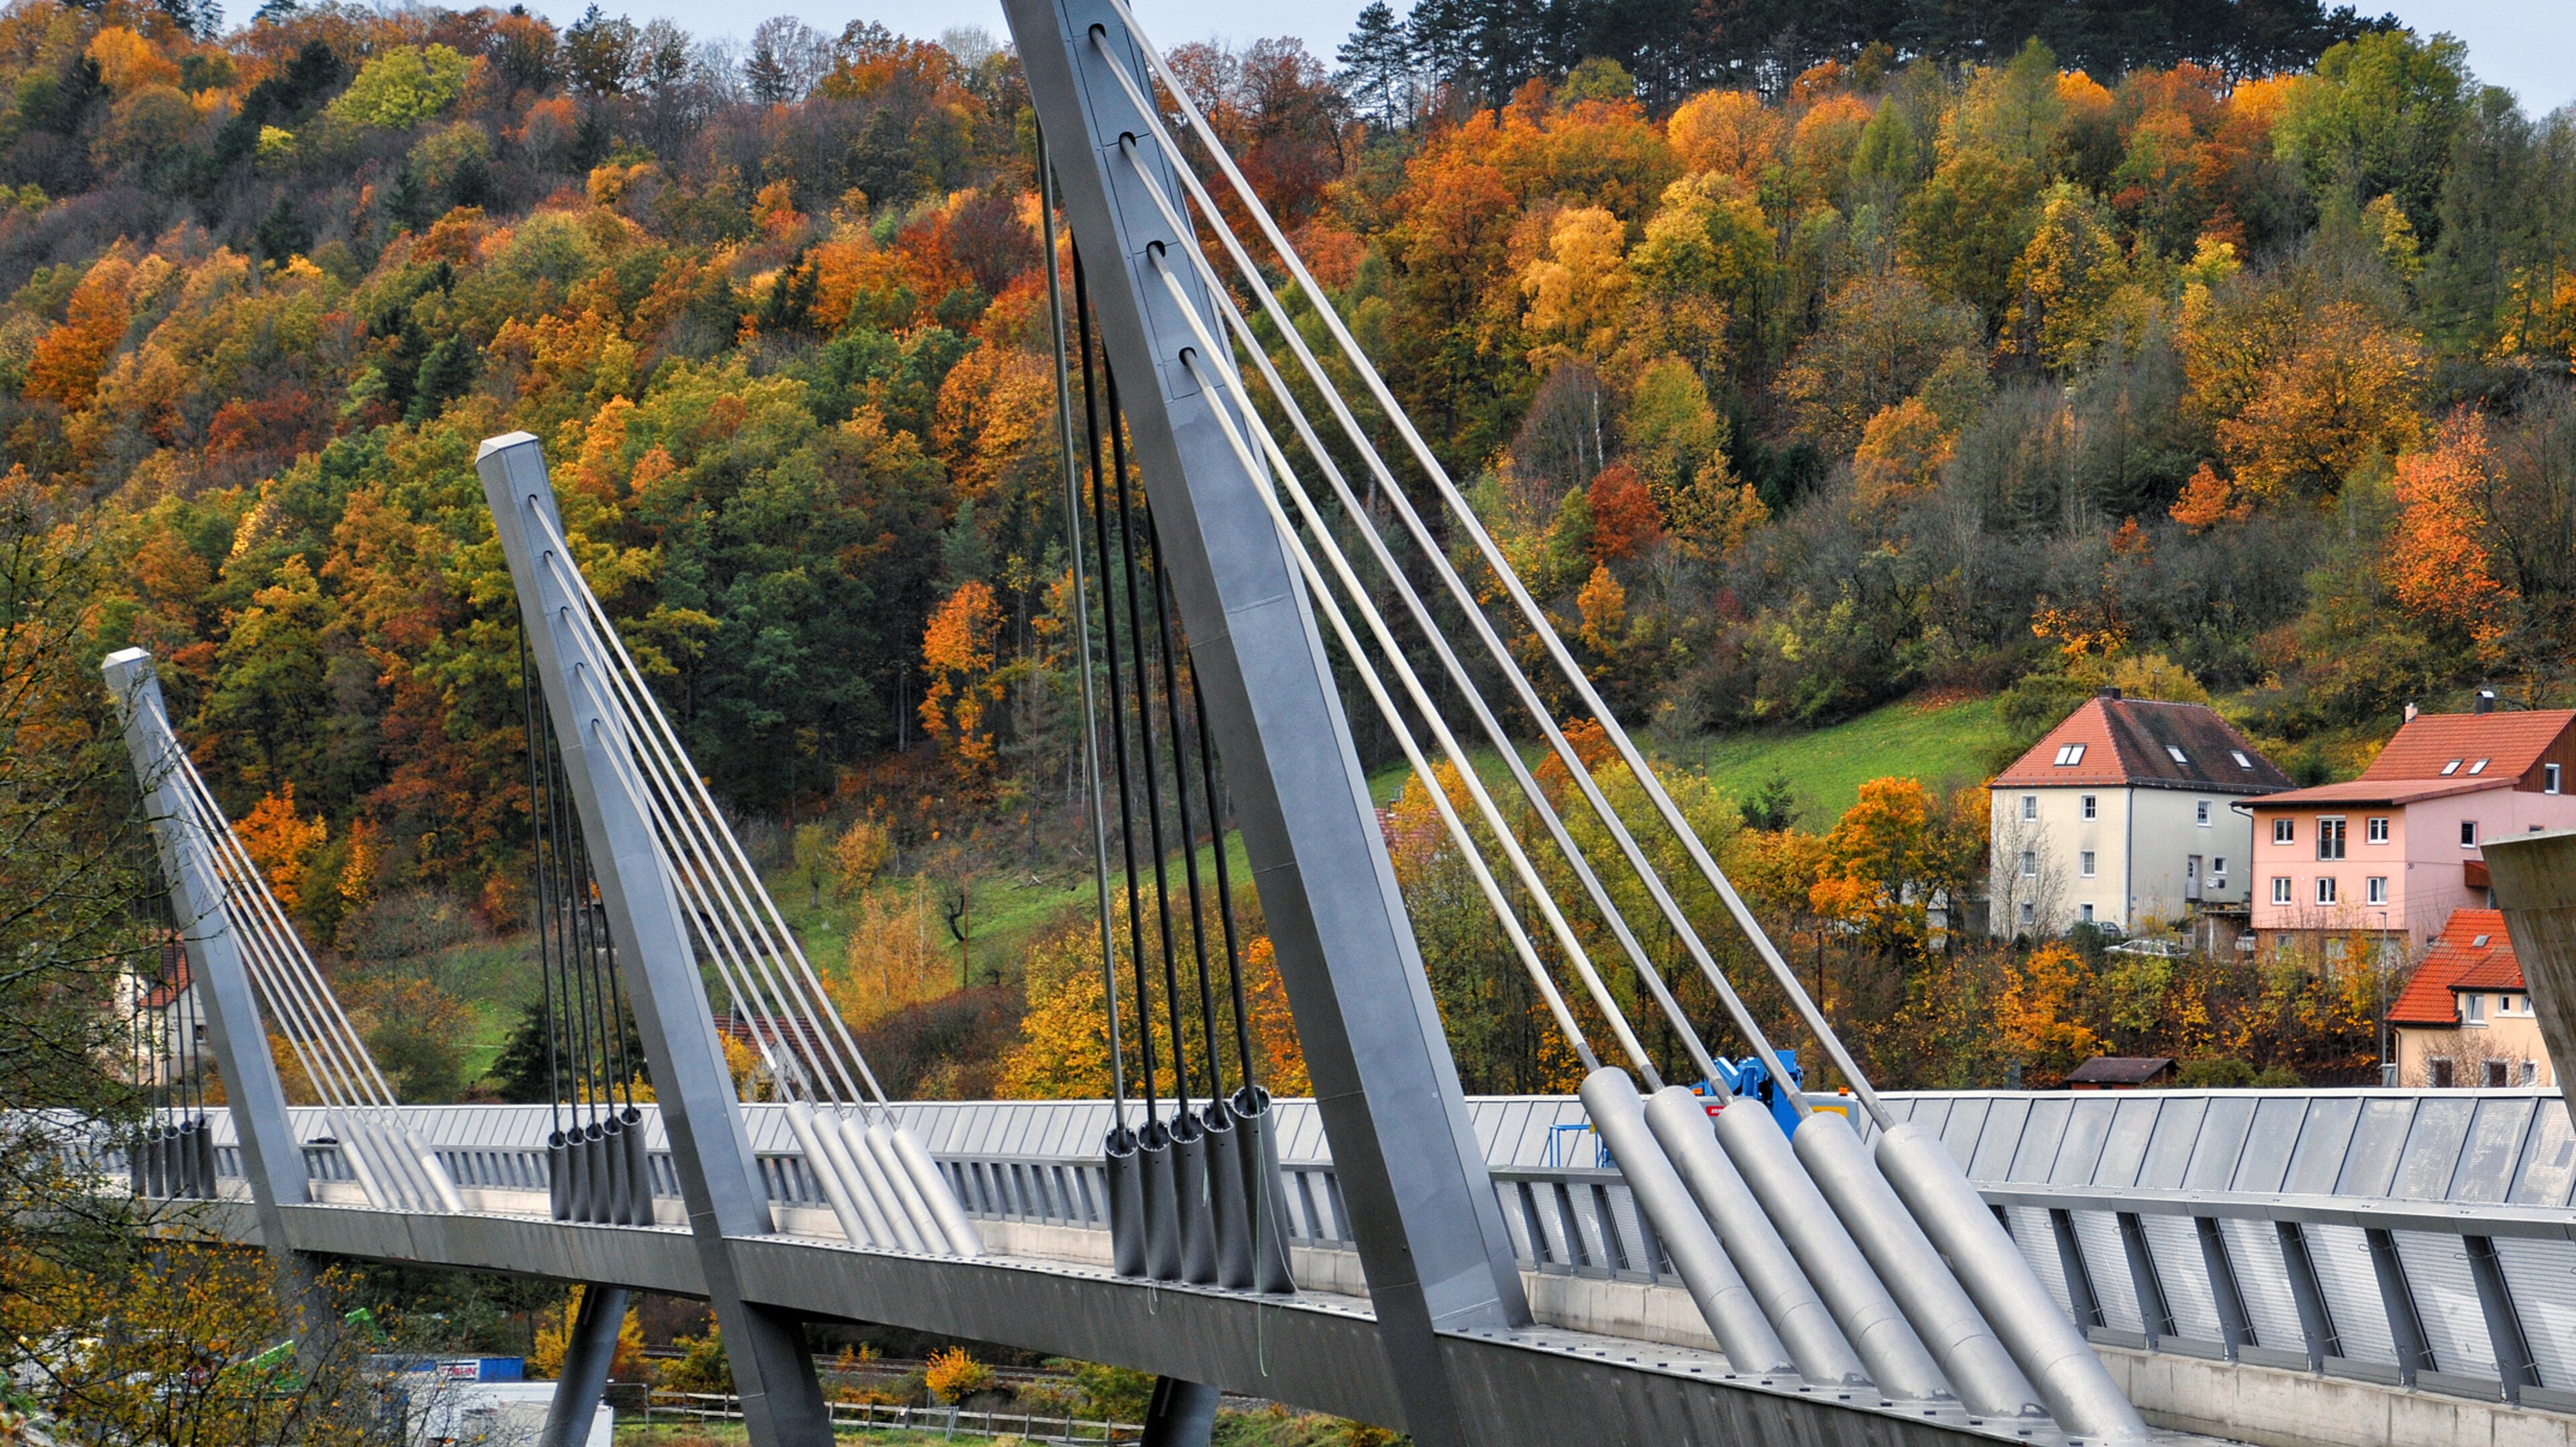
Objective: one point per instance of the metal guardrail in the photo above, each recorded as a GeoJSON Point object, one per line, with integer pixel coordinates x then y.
{"type": "Point", "coordinates": [946, 1421]}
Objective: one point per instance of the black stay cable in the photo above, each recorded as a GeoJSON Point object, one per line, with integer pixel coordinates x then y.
{"type": "Point", "coordinates": [576, 933]}
{"type": "Point", "coordinates": [1153, 777]}
{"type": "Point", "coordinates": [1224, 880]}
{"type": "Point", "coordinates": [540, 800]}
{"type": "Point", "coordinates": [1181, 793]}
{"type": "Point", "coordinates": [1117, 705]}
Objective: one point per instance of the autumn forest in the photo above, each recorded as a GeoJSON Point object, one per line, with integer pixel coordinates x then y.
{"type": "Point", "coordinates": [1796, 380]}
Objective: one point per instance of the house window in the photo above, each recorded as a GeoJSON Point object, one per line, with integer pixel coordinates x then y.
{"type": "Point", "coordinates": [2468, 834]}
{"type": "Point", "coordinates": [2179, 756]}
{"type": "Point", "coordinates": [2281, 889]}
{"type": "Point", "coordinates": [2376, 831]}
{"type": "Point", "coordinates": [2330, 838]}
{"type": "Point", "coordinates": [2069, 755]}
{"type": "Point", "coordinates": [2437, 1073]}
{"type": "Point", "coordinates": [2086, 911]}
{"type": "Point", "coordinates": [2549, 778]}
{"type": "Point", "coordinates": [2218, 872]}
{"type": "Point", "coordinates": [2530, 1073]}
{"type": "Point", "coordinates": [2203, 809]}
{"type": "Point", "coordinates": [2029, 914]}
{"type": "Point", "coordinates": [2473, 1007]}
{"type": "Point", "coordinates": [2030, 864]}
{"type": "Point", "coordinates": [2238, 755]}
{"type": "Point", "coordinates": [2376, 891]}
{"type": "Point", "coordinates": [2092, 807]}
{"type": "Point", "coordinates": [2479, 767]}
{"type": "Point", "coordinates": [2084, 864]}
{"type": "Point", "coordinates": [2495, 1075]}
{"type": "Point", "coordinates": [2450, 768]}
{"type": "Point", "coordinates": [2282, 831]}
{"type": "Point", "coordinates": [2325, 889]}
{"type": "Point", "coordinates": [2030, 806]}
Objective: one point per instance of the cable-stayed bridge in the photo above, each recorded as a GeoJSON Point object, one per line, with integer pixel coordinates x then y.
{"type": "Point", "coordinates": [1268, 539]}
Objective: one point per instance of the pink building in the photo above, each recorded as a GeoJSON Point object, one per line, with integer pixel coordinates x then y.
{"type": "Point", "coordinates": [2391, 854]}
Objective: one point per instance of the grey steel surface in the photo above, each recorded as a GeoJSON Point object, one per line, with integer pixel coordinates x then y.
{"type": "Point", "coordinates": [1729, 1307]}
{"type": "Point", "coordinates": [2535, 886]}
{"type": "Point", "coordinates": [1430, 1233]}
{"type": "Point", "coordinates": [268, 1153]}
{"type": "Point", "coordinates": [590, 1346]}
{"type": "Point", "coordinates": [1680, 1124]}
{"type": "Point", "coordinates": [719, 1176]}
{"type": "Point", "coordinates": [1541, 1387]}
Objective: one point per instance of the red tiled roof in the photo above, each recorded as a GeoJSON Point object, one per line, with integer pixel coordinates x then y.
{"type": "Point", "coordinates": [2120, 1070]}
{"type": "Point", "coordinates": [2511, 743]}
{"type": "Point", "coordinates": [2384, 791]}
{"type": "Point", "coordinates": [172, 983]}
{"type": "Point", "coordinates": [2130, 741]}
{"type": "Point", "coordinates": [2457, 961]}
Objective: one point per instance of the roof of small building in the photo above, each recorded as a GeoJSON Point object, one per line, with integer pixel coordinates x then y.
{"type": "Point", "coordinates": [2119, 1070]}
{"type": "Point", "coordinates": [2382, 791]}
{"type": "Point", "coordinates": [2135, 742]}
{"type": "Point", "coordinates": [2473, 952]}
{"type": "Point", "coordinates": [2509, 743]}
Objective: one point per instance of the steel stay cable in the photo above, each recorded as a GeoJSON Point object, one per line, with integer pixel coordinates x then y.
{"type": "Point", "coordinates": [259, 911]}
{"type": "Point", "coordinates": [721, 946]}
{"type": "Point", "coordinates": [1224, 885]}
{"type": "Point", "coordinates": [286, 988]}
{"type": "Point", "coordinates": [1576, 956]}
{"type": "Point", "coordinates": [1422, 769]}
{"type": "Point", "coordinates": [873, 1214]}
{"type": "Point", "coordinates": [1181, 794]}
{"type": "Point", "coordinates": [1117, 715]}
{"type": "Point", "coordinates": [654, 769]}
{"type": "Point", "coordinates": [662, 746]}
{"type": "Point", "coordinates": [1420, 611]}
{"type": "Point", "coordinates": [672, 806]}
{"type": "Point", "coordinates": [1669, 812]}
{"type": "Point", "coordinates": [1082, 639]}
{"type": "Point", "coordinates": [1153, 784]}
{"type": "Point", "coordinates": [541, 850]}
{"type": "Point", "coordinates": [342, 1097]}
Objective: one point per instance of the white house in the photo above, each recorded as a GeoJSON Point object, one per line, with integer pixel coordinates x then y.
{"type": "Point", "coordinates": [2121, 816]}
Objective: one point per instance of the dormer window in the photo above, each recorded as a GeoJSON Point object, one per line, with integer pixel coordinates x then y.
{"type": "Point", "coordinates": [2179, 756]}
{"type": "Point", "coordinates": [2479, 767]}
{"type": "Point", "coordinates": [2238, 755]}
{"type": "Point", "coordinates": [2069, 755]}
{"type": "Point", "coordinates": [2450, 768]}
{"type": "Point", "coordinates": [2480, 942]}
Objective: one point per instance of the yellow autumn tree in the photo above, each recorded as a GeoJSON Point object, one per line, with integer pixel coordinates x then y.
{"type": "Point", "coordinates": [1727, 131]}
{"type": "Point", "coordinates": [1901, 454]}
{"type": "Point", "coordinates": [957, 651]}
{"type": "Point", "coordinates": [2040, 1012]}
{"type": "Point", "coordinates": [554, 1331]}
{"type": "Point", "coordinates": [1578, 291]}
{"type": "Point", "coordinates": [892, 962]}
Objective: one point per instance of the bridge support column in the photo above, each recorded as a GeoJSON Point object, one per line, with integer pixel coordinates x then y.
{"type": "Point", "coordinates": [2535, 885]}
{"type": "Point", "coordinates": [590, 1347]}
{"type": "Point", "coordinates": [1182, 1414]}
{"type": "Point", "coordinates": [271, 1156]}
{"type": "Point", "coordinates": [1430, 1233]}
{"type": "Point", "coordinates": [720, 1182]}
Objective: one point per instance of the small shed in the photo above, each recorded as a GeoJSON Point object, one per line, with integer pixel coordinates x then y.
{"type": "Point", "coordinates": [2123, 1072]}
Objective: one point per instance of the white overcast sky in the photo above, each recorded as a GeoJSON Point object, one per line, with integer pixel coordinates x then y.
{"type": "Point", "coordinates": [2527, 46]}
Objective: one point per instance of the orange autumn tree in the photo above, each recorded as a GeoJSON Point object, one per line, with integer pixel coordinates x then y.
{"type": "Point", "coordinates": [957, 650]}
{"type": "Point", "coordinates": [1886, 860]}
{"type": "Point", "coordinates": [2438, 563]}
{"type": "Point", "coordinates": [281, 842]}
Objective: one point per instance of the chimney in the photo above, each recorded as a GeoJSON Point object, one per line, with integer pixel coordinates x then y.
{"type": "Point", "coordinates": [2111, 691]}
{"type": "Point", "coordinates": [2484, 702]}
{"type": "Point", "coordinates": [2410, 710]}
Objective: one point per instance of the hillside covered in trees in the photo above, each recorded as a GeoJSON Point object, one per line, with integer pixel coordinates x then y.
{"type": "Point", "coordinates": [1800, 368]}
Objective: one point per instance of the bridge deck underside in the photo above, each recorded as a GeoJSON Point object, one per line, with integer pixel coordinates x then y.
{"type": "Point", "coordinates": [1316, 1350]}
